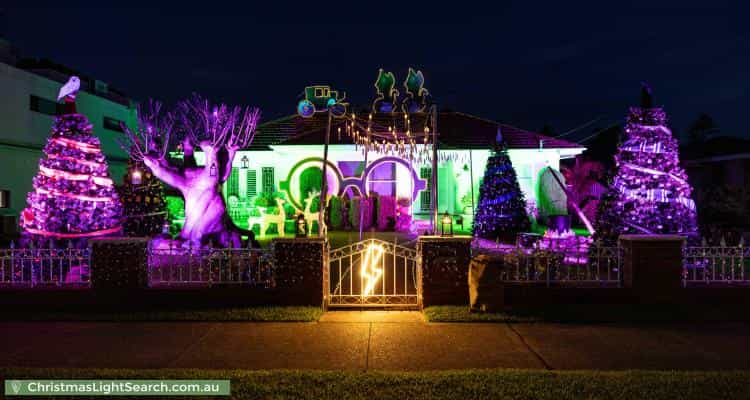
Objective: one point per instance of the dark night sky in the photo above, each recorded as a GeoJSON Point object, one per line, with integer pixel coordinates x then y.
{"type": "Point", "coordinates": [526, 64]}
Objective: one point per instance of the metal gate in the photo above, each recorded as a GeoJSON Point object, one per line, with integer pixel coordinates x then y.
{"type": "Point", "coordinates": [373, 273]}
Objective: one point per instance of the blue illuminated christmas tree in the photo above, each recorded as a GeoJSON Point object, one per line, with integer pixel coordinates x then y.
{"type": "Point", "coordinates": [501, 212]}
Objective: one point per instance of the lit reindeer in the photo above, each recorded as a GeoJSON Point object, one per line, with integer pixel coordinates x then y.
{"type": "Point", "coordinates": [265, 220]}
{"type": "Point", "coordinates": [313, 216]}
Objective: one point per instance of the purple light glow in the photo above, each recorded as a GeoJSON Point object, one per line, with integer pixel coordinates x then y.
{"type": "Point", "coordinates": [219, 131]}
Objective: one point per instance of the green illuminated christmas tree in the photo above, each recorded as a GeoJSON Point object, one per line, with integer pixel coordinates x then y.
{"type": "Point", "coordinates": [144, 206]}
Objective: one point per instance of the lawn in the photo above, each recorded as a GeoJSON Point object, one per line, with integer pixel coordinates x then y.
{"type": "Point", "coordinates": [467, 384]}
{"type": "Point", "coordinates": [593, 314]}
{"type": "Point", "coordinates": [258, 314]}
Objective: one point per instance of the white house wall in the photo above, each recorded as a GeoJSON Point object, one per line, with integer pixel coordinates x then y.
{"type": "Point", "coordinates": [23, 132]}
{"type": "Point", "coordinates": [453, 180]}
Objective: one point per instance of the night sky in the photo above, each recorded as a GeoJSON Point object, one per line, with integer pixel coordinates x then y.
{"type": "Point", "coordinates": [527, 64]}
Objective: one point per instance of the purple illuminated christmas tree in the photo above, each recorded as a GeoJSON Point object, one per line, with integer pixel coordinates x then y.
{"type": "Point", "coordinates": [501, 212]}
{"type": "Point", "coordinates": [650, 193]}
{"type": "Point", "coordinates": [73, 197]}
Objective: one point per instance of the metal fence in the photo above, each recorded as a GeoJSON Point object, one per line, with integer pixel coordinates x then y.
{"type": "Point", "coordinates": [43, 267]}
{"type": "Point", "coordinates": [179, 266]}
{"type": "Point", "coordinates": [597, 266]}
{"type": "Point", "coordinates": [716, 265]}
{"type": "Point", "coordinates": [557, 263]}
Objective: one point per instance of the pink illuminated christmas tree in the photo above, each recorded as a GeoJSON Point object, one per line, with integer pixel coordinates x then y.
{"type": "Point", "coordinates": [650, 193]}
{"type": "Point", "coordinates": [73, 197]}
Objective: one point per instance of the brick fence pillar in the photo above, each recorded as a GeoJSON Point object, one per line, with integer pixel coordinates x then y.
{"type": "Point", "coordinates": [298, 269]}
{"type": "Point", "coordinates": [652, 265]}
{"type": "Point", "coordinates": [119, 263]}
{"type": "Point", "coordinates": [445, 269]}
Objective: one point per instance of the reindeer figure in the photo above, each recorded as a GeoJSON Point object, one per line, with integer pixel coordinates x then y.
{"type": "Point", "coordinates": [313, 216]}
{"type": "Point", "coordinates": [265, 220]}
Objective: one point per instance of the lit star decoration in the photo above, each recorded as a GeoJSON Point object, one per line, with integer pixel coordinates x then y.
{"type": "Point", "coordinates": [73, 196]}
{"type": "Point", "coordinates": [370, 268]}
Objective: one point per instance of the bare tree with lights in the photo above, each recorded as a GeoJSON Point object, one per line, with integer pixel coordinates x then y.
{"type": "Point", "coordinates": [219, 131]}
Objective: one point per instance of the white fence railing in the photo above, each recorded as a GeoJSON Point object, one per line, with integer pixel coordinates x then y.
{"type": "Point", "coordinates": [207, 266]}
{"type": "Point", "coordinates": [44, 267]}
{"type": "Point", "coordinates": [718, 265]}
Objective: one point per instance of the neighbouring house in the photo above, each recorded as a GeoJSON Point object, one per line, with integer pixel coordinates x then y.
{"type": "Point", "coordinates": [28, 106]}
{"type": "Point", "coordinates": [287, 150]}
{"type": "Point", "coordinates": [718, 171]}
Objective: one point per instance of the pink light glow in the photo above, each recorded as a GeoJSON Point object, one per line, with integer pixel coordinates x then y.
{"type": "Point", "coordinates": [92, 164]}
{"type": "Point", "coordinates": [84, 147]}
{"type": "Point", "coordinates": [73, 235]}
{"type": "Point", "coordinates": [73, 196]}
{"type": "Point", "coordinates": [53, 173]}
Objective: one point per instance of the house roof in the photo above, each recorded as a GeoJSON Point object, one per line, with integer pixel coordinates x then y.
{"type": "Point", "coordinates": [456, 130]}
{"type": "Point", "coordinates": [716, 149]}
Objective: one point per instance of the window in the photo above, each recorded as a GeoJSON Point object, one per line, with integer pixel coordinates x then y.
{"type": "Point", "coordinates": [425, 196]}
{"type": "Point", "coordinates": [233, 184]}
{"type": "Point", "coordinates": [112, 124]}
{"type": "Point", "coordinates": [268, 180]}
{"type": "Point", "coordinates": [45, 106]}
{"type": "Point", "coordinates": [383, 180]}
{"type": "Point", "coordinates": [4, 199]}
{"type": "Point", "coordinates": [252, 183]}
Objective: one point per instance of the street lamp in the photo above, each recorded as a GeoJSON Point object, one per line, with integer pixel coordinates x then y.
{"type": "Point", "coordinates": [136, 178]}
{"type": "Point", "coordinates": [301, 226]}
{"type": "Point", "coordinates": [446, 221]}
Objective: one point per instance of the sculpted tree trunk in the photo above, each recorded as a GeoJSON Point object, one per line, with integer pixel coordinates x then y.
{"type": "Point", "coordinates": [219, 131]}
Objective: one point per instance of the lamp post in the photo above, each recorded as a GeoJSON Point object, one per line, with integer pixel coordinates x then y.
{"type": "Point", "coordinates": [136, 178]}
{"type": "Point", "coordinates": [447, 220]}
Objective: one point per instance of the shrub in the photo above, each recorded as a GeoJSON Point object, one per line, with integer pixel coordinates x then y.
{"type": "Point", "coordinates": [386, 212]}
{"type": "Point", "coordinates": [366, 204]}
{"type": "Point", "coordinates": [336, 218]}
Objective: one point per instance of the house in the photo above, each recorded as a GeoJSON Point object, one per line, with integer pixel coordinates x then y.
{"type": "Point", "coordinates": [289, 150]}
{"type": "Point", "coordinates": [28, 106]}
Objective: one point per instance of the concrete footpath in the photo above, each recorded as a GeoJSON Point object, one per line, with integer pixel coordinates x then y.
{"type": "Point", "coordinates": [373, 340]}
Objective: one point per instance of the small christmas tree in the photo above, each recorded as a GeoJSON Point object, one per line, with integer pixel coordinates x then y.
{"type": "Point", "coordinates": [650, 193]}
{"type": "Point", "coordinates": [73, 197]}
{"type": "Point", "coordinates": [501, 212]}
{"type": "Point", "coordinates": [143, 201]}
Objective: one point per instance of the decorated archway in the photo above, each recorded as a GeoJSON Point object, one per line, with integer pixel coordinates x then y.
{"type": "Point", "coordinates": [291, 186]}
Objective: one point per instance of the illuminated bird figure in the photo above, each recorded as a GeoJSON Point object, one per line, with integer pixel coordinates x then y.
{"type": "Point", "coordinates": [70, 89]}
{"type": "Point", "coordinates": [68, 92]}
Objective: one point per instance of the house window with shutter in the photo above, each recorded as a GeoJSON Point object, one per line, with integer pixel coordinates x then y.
{"type": "Point", "coordinates": [252, 183]}
{"type": "Point", "coordinates": [268, 180]}
{"type": "Point", "coordinates": [425, 196]}
{"type": "Point", "coordinates": [233, 184]}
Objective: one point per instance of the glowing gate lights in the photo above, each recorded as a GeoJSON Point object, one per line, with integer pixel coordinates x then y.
{"type": "Point", "coordinates": [370, 268]}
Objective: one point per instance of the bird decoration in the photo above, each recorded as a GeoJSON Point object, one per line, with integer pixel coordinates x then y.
{"type": "Point", "coordinates": [70, 89]}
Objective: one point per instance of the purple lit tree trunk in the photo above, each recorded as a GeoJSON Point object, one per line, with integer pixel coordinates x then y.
{"type": "Point", "coordinates": [219, 131]}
